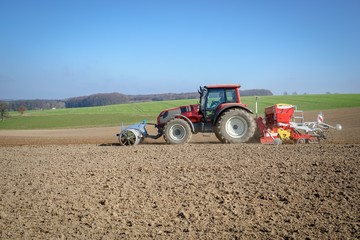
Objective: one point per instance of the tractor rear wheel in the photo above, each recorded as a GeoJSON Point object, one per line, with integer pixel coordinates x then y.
{"type": "Point", "coordinates": [177, 131]}
{"type": "Point", "coordinates": [235, 126]}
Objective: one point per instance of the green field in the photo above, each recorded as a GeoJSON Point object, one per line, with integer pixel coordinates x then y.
{"type": "Point", "coordinates": [115, 115]}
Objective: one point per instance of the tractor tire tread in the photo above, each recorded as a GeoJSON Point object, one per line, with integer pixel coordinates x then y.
{"type": "Point", "coordinates": [172, 122]}
{"type": "Point", "coordinates": [225, 138]}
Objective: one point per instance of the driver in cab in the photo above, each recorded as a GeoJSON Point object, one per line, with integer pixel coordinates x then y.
{"type": "Point", "coordinates": [216, 99]}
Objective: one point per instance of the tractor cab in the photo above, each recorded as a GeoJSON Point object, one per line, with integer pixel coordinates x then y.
{"type": "Point", "coordinates": [212, 98]}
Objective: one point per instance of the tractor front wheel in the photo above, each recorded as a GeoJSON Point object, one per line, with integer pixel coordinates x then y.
{"type": "Point", "coordinates": [235, 126]}
{"type": "Point", "coordinates": [177, 131]}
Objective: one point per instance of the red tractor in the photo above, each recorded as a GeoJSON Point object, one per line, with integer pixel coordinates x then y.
{"type": "Point", "coordinates": [220, 111]}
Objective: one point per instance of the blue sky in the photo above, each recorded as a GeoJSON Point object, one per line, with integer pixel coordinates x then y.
{"type": "Point", "coordinates": [60, 49]}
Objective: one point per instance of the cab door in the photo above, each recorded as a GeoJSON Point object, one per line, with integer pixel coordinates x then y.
{"type": "Point", "coordinates": [214, 98]}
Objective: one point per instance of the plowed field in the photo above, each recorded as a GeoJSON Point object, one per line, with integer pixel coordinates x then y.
{"type": "Point", "coordinates": [78, 184]}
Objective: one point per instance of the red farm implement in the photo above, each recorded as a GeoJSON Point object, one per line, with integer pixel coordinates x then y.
{"type": "Point", "coordinates": [283, 123]}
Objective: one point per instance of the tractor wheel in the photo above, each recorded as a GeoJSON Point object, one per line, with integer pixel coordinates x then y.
{"type": "Point", "coordinates": [235, 126]}
{"type": "Point", "coordinates": [177, 131]}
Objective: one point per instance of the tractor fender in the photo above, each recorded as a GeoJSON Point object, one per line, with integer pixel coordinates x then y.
{"type": "Point", "coordinates": [187, 120]}
{"type": "Point", "coordinates": [230, 106]}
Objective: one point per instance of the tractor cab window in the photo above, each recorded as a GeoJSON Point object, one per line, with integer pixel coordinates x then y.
{"type": "Point", "coordinates": [215, 97]}
{"type": "Point", "coordinates": [230, 95]}
{"type": "Point", "coordinates": [218, 96]}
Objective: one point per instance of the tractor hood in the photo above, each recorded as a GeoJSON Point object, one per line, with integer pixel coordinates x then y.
{"type": "Point", "coordinates": [189, 111]}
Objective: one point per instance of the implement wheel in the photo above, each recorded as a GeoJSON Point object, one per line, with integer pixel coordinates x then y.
{"type": "Point", "coordinates": [129, 137]}
{"type": "Point", "coordinates": [177, 131]}
{"type": "Point", "coordinates": [235, 126]}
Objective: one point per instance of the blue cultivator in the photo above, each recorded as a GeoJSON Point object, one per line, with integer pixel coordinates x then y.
{"type": "Point", "coordinates": [134, 134]}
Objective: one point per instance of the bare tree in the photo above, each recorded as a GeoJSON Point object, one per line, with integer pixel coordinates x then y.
{"type": "Point", "coordinates": [4, 108]}
{"type": "Point", "coordinates": [21, 109]}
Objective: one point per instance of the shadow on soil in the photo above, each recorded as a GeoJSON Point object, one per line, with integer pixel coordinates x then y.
{"type": "Point", "coordinates": [153, 143]}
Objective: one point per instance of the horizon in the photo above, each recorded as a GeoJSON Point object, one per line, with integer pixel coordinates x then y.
{"type": "Point", "coordinates": [58, 50]}
{"type": "Point", "coordinates": [62, 99]}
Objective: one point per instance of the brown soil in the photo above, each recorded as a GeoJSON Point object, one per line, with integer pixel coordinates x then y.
{"type": "Point", "coordinates": [52, 188]}
{"type": "Point", "coordinates": [348, 118]}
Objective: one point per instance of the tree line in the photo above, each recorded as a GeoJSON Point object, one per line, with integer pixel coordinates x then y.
{"type": "Point", "coordinates": [36, 104]}
{"type": "Point", "coordinates": [102, 99]}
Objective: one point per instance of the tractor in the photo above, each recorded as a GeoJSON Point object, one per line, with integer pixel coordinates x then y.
{"type": "Point", "coordinates": [219, 111]}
